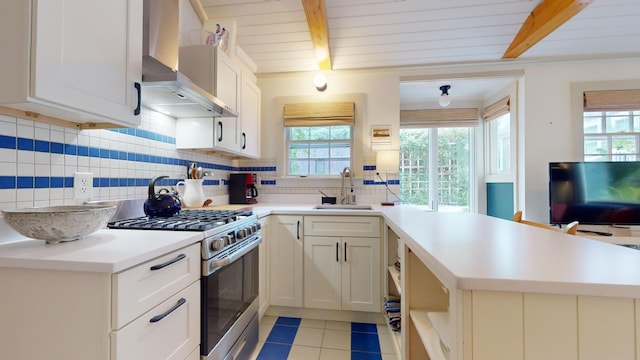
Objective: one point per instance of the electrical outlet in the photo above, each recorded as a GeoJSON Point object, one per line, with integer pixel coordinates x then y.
{"type": "Point", "coordinates": [82, 185]}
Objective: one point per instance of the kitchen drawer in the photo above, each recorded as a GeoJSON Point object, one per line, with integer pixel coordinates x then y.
{"type": "Point", "coordinates": [172, 337]}
{"type": "Point", "coordinates": [356, 226]}
{"type": "Point", "coordinates": [137, 290]}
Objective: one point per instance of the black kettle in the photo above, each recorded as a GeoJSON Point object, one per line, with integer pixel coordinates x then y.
{"type": "Point", "coordinates": [161, 205]}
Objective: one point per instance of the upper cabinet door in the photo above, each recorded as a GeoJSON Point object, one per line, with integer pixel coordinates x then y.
{"type": "Point", "coordinates": [87, 55]}
{"type": "Point", "coordinates": [250, 118]}
{"type": "Point", "coordinates": [227, 84]}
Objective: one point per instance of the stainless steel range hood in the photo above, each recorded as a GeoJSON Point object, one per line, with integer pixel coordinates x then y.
{"type": "Point", "coordinates": [164, 88]}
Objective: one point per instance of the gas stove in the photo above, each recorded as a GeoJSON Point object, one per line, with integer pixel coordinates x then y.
{"type": "Point", "coordinates": [227, 233]}
{"type": "Point", "coordinates": [186, 220]}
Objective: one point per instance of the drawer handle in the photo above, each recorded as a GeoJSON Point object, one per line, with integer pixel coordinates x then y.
{"type": "Point", "coordinates": [163, 315]}
{"type": "Point", "coordinates": [163, 265]}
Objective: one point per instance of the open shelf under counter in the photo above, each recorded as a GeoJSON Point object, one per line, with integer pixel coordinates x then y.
{"type": "Point", "coordinates": [395, 277]}
{"type": "Point", "coordinates": [428, 333]}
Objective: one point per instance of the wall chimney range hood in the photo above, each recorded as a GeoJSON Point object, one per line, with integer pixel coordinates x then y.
{"type": "Point", "coordinates": [164, 88]}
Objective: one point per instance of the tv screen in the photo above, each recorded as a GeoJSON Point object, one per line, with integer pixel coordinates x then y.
{"type": "Point", "coordinates": [596, 193]}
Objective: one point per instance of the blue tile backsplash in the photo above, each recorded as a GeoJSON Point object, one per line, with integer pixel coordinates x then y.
{"type": "Point", "coordinates": [38, 162]}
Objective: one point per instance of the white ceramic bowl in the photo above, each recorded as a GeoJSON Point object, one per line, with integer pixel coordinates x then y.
{"type": "Point", "coordinates": [59, 223]}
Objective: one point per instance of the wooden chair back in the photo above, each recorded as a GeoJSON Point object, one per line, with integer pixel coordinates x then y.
{"type": "Point", "coordinates": [570, 229]}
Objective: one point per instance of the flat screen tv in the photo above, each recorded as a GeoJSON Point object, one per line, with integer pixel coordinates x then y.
{"type": "Point", "coordinates": [595, 193]}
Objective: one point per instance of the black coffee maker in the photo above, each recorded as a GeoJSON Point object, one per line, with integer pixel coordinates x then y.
{"type": "Point", "coordinates": [242, 189]}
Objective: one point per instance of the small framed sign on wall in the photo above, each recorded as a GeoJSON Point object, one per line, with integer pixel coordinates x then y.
{"type": "Point", "coordinates": [380, 137]}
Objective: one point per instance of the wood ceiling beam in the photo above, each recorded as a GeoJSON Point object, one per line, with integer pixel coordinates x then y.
{"type": "Point", "coordinates": [317, 20]}
{"type": "Point", "coordinates": [542, 21]}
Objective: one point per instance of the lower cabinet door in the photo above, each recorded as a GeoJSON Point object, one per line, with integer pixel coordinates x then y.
{"type": "Point", "coordinates": [322, 272]}
{"type": "Point", "coordinates": [169, 331]}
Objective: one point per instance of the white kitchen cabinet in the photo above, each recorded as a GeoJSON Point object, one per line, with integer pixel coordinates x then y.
{"type": "Point", "coordinates": [342, 273]}
{"type": "Point", "coordinates": [218, 133]}
{"type": "Point", "coordinates": [175, 336]}
{"type": "Point", "coordinates": [79, 315]}
{"type": "Point", "coordinates": [286, 243]}
{"type": "Point", "coordinates": [249, 116]}
{"type": "Point", "coordinates": [265, 264]}
{"type": "Point", "coordinates": [342, 263]}
{"type": "Point", "coordinates": [62, 61]}
{"type": "Point", "coordinates": [214, 71]}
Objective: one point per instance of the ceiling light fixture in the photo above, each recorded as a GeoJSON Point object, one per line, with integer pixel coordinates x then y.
{"type": "Point", "coordinates": [444, 100]}
{"type": "Point", "coordinates": [320, 81]}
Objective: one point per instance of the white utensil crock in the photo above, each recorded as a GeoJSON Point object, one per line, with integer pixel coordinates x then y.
{"type": "Point", "coordinates": [191, 192]}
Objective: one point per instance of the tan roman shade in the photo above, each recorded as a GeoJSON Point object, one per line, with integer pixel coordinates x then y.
{"type": "Point", "coordinates": [439, 118]}
{"type": "Point", "coordinates": [319, 114]}
{"type": "Point", "coordinates": [497, 109]}
{"type": "Point", "coordinates": [612, 100]}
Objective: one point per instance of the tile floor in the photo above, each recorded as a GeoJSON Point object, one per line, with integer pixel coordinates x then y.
{"type": "Point", "coordinates": [286, 338]}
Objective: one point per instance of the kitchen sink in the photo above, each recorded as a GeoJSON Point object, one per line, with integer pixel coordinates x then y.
{"type": "Point", "coordinates": [343, 207]}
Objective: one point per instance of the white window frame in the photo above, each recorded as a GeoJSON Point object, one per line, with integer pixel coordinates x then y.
{"type": "Point", "coordinates": [609, 137]}
{"type": "Point", "coordinates": [279, 135]}
{"type": "Point", "coordinates": [288, 142]}
{"type": "Point", "coordinates": [577, 108]}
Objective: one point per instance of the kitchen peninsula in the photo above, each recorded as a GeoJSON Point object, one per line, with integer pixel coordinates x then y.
{"type": "Point", "coordinates": [474, 286]}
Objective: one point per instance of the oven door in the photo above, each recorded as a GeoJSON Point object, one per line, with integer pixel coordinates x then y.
{"type": "Point", "coordinates": [228, 300]}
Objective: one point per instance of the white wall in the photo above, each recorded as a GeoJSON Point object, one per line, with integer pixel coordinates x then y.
{"type": "Point", "coordinates": [547, 131]}
{"type": "Point", "coordinates": [381, 102]}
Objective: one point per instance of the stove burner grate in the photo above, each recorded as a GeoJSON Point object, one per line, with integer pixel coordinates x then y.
{"type": "Point", "coordinates": [186, 220]}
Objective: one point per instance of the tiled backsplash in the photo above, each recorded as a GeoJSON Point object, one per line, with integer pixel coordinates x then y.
{"type": "Point", "coordinates": [38, 162]}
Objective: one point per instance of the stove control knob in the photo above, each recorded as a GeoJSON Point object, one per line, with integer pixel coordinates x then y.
{"type": "Point", "coordinates": [218, 244]}
{"type": "Point", "coordinates": [241, 234]}
{"type": "Point", "coordinates": [229, 239]}
{"type": "Point", "coordinates": [255, 227]}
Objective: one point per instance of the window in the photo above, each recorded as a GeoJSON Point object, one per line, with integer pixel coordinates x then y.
{"type": "Point", "coordinates": [436, 147]}
{"type": "Point", "coordinates": [611, 135]}
{"type": "Point", "coordinates": [435, 168]}
{"type": "Point", "coordinates": [611, 125]}
{"type": "Point", "coordinates": [500, 144]}
{"type": "Point", "coordinates": [318, 150]}
{"type": "Point", "coordinates": [318, 137]}
{"type": "Point", "coordinates": [498, 136]}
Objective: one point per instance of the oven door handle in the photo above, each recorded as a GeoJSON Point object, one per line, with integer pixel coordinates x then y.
{"type": "Point", "coordinates": [212, 266]}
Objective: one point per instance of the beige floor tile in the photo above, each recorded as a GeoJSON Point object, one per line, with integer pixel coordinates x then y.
{"type": "Point", "coordinates": [336, 339]}
{"type": "Point", "coordinates": [309, 337]}
{"type": "Point", "coordinates": [268, 320]}
{"type": "Point", "coordinates": [338, 325]}
{"type": "Point", "coordinates": [333, 354]}
{"type": "Point", "coordinates": [263, 331]}
{"type": "Point", "coordinates": [383, 329]}
{"type": "Point", "coordinates": [313, 323]}
{"type": "Point", "coordinates": [386, 344]}
{"type": "Point", "coordinates": [304, 353]}
{"type": "Point", "coordinates": [390, 357]}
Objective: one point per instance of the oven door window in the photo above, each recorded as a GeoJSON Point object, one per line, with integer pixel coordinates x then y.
{"type": "Point", "coordinates": [225, 295]}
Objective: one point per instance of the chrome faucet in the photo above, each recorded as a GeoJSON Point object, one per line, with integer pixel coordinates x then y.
{"type": "Point", "coordinates": [347, 199]}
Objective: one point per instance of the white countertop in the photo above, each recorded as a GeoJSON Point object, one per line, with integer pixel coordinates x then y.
{"type": "Point", "coordinates": [472, 251]}
{"type": "Point", "coordinates": [466, 251]}
{"type": "Point", "coordinates": [106, 250]}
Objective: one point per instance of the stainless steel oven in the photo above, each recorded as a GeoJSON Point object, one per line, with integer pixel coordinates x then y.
{"type": "Point", "coordinates": [229, 282]}
{"type": "Point", "coordinates": [229, 320]}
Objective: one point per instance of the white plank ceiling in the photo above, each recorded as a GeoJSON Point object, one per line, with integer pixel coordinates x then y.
{"type": "Point", "coordinates": [367, 34]}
